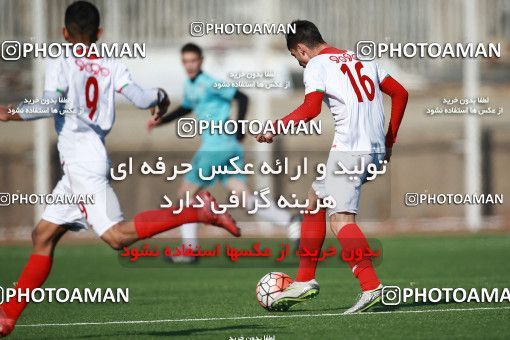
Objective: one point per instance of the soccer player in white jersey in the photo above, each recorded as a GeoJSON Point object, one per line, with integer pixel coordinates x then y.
{"type": "Point", "coordinates": [352, 90]}
{"type": "Point", "coordinates": [89, 86]}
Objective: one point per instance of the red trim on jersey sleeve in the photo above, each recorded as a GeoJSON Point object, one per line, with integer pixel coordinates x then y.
{"type": "Point", "coordinates": [122, 87]}
{"type": "Point", "coordinates": [399, 98]}
{"type": "Point", "coordinates": [332, 50]}
{"type": "Point", "coordinates": [92, 56]}
{"type": "Point", "coordinates": [307, 111]}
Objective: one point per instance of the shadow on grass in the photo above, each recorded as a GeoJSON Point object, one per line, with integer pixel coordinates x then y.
{"type": "Point", "coordinates": [378, 308]}
{"type": "Point", "coordinates": [406, 306]}
{"type": "Point", "coordinates": [236, 331]}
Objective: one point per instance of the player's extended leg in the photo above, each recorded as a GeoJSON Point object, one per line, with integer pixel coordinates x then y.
{"type": "Point", "coordinates": [351, 238]}
{"type": "Point", "coordinates": [45, 238]}
{"type": "Point", "coordinates": [305, 287]}
{"type": "Point", "coordinates": [189, 231]}
{"type": "Point", "coordinates": [152, 222]}
{"type": "Point", "coordinates": [271, 214]}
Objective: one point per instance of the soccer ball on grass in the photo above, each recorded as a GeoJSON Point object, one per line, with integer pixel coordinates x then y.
{"type": "Point", "coordinates": [269, 286]}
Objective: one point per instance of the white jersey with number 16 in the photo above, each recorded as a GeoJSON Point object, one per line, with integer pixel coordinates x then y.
{"type": "Point", "coordinates": [351, 91]}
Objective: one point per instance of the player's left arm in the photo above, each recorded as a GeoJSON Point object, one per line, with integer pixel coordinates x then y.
{"type": "Point", "coordinates": [399, 97]}
{"type": "Point", "coordinates": [47, 106]}
{"type": "Point", "coordinates": [146, 98]}
{"type": "Point", "coordinates": [142, 98]}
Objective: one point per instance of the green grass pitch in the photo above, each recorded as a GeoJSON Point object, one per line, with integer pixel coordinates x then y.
{"type": "Point", "coordinates": [199, 302]}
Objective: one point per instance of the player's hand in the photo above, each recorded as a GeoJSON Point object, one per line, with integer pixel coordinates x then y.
{"type": "Point", "coordinates": [162, 107]}
{"type": "Point", "coordinates": [265, 138]}
{"type": "Point", "coordinates": [388, 154]}
{"type": "Point", "coordinates": [5, 114]}
{"type": "Point", "coordinates": [152, 123]}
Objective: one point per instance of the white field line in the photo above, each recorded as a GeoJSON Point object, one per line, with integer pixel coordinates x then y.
{"type": "Point", "coordinates": [255, 317]}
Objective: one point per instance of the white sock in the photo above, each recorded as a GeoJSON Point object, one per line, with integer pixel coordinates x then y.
{"type": "Point", "coordinates": [189, 234]}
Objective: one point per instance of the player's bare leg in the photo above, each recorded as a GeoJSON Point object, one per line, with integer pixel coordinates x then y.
{"type": "Point", "coordinates": [45, 237]}
{"type": "Point", "coordinates": [273, 214]}
{"type": "Point", "coordinates": [305, 287]}
{"type": "Point", "coordinates": [152, 222]}
{"type": "Point", "coordinates": [351, 238]}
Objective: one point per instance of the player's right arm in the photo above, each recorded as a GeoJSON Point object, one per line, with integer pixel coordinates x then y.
{"type": "Point", "coordinates": [55, 87]}
{"type": "Point", "coordinates": [6, 115]}
{"type": "Point", "coordinates": [46, 107]}
{"type": "Point", "coordinates": [311, 106]}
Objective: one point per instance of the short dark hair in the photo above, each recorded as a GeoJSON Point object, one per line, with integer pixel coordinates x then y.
{"type": "Point", "coordinates": [305, 33]}
{"type": "Point", "coordinates": [82, 18]}
{"type": "Point", "coordinates": [190, 47]}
